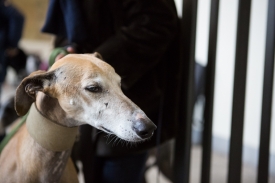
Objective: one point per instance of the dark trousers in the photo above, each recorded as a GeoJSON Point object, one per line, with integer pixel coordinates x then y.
{"type": "Point", "coordinates": [123, 169]}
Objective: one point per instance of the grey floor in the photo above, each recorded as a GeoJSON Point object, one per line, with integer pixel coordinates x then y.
{"type": "Point", "coordinates": [218, 170]}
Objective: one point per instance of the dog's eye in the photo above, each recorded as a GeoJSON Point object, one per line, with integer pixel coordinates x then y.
{"type": "Point", "coordinates": [93, 89]}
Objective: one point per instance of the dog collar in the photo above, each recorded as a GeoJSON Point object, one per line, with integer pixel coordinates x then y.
{"type": "Point", "coordinates": [48, 134]}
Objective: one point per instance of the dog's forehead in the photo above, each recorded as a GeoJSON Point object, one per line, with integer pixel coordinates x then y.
{"type": "Point", "coordinates": [86, 65]}
{"type": "Point", "coordinates": [82, 61]}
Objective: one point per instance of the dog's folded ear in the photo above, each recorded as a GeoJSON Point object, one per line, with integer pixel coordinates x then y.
{"type": "Point", "coordinates": [26, 91]}
{"type": "Point", "coordinates": [98, 55]}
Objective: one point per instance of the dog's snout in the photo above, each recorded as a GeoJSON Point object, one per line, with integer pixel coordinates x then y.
{"type": "Point", "coordinates": [144, 128]}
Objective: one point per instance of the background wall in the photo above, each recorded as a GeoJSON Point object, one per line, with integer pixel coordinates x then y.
{"type": "Point", "coordinates": [32, 40]}
{"type": "Point", "coordinates": [35, 12]}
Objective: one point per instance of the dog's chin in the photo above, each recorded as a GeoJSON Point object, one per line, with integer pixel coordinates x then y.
{"type": "Point", "coordinates": [106, 130]}
{"type": "Point", "coordinates": [132, 139]}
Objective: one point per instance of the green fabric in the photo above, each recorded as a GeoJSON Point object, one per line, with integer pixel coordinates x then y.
{"type": "Point", "coordinates": [11, 134]}
{"type": "Point", "coordinates": [56, 52]}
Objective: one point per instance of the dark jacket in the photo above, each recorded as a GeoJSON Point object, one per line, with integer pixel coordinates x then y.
{"type": "Point", "coordinates": [139, 39]}
{"type": "Point", "coordinates": [11, 26]}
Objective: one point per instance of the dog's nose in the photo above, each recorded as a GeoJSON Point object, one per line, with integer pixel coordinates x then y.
{"type": "Point", "coordinates": [144, 128]}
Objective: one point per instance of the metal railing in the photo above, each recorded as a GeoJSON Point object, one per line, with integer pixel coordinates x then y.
{"type": "Point", "coordinates": [183, 140]}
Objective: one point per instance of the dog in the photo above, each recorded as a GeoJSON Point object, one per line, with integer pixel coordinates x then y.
{"type": "Point", "coordinates": [78, 89]}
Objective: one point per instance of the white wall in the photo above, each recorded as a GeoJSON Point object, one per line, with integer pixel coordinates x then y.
{"type": "Point", "coordinates": [202, 31]}
{"type": "Point", "coordinates": [225, 68]}
{"type": "Point", "coordinates": [255, 72]}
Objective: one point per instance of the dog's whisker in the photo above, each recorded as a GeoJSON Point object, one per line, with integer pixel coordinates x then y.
{"type": "Point", "coordinates": [98, 132]}
{"type": "Point", "coordinates": [109, 139]}
{"type": "Point", "coordinates": [114, 137]}
{"type": "Point", "coordinates": [121, 141]}
{"type": "Point", "coordinates": [108, 136]}
{"type": "Point", "coordinates": [115, 141]}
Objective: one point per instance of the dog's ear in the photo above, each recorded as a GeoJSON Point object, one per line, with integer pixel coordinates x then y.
{"type": "Point", "coordinates": [26, 91]}
{"type": "Point", "coordinates": [98, 55]}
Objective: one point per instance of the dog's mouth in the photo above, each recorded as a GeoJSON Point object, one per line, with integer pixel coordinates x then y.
{"type": "Point", "coordinates": [106, 130]}
{"type": "Point", "coordinates": [126, 139]}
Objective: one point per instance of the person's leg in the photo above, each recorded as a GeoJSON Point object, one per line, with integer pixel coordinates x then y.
{"type": "Point", "coordinates": [3, 70]}
{"type": "Point", "coordinates": [85, 152]}
{"type": "Point", "coordinates": [15, 26]}
{"type": "Point", "coordinates": [125, 169]}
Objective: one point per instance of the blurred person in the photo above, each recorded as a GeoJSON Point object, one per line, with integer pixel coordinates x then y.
{"type": "Point", "coordinates": [139, 38]}
{"type": "Point", "coordinates": [11, 26]}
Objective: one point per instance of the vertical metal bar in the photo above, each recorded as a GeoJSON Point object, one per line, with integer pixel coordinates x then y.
{"type": "Point", "coordinates": [183, 138]}
{"type": "Point", "coordinates": [209, 92]}
{"type": "Point", "coordinates": [235, 156]}
{"type": "Point", "coordinates": [263, 164]}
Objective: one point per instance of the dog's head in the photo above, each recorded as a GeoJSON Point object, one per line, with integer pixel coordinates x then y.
{"type": "Point", "coordinates": [88, 91]}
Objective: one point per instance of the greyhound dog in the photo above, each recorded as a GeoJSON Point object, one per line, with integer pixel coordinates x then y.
{"type": "Point", "coordinates": [78, 89]}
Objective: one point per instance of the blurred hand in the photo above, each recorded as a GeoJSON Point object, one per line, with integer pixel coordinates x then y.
{"type": "Point", "coordinates": [69, 49]}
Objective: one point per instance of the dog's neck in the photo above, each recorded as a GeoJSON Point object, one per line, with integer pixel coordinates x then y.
{"type": "Point", "coordinates": [49, 134]}
{"type": "Point", "coordinates": [50, 107]}
{"type": "Point", "coordinates": [52, 141]}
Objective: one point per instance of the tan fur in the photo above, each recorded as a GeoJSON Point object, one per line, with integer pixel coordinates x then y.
{"type": "Point", "coordinates": [61, 95]}
{"type": "Point", "coordinates": [24, 163]}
